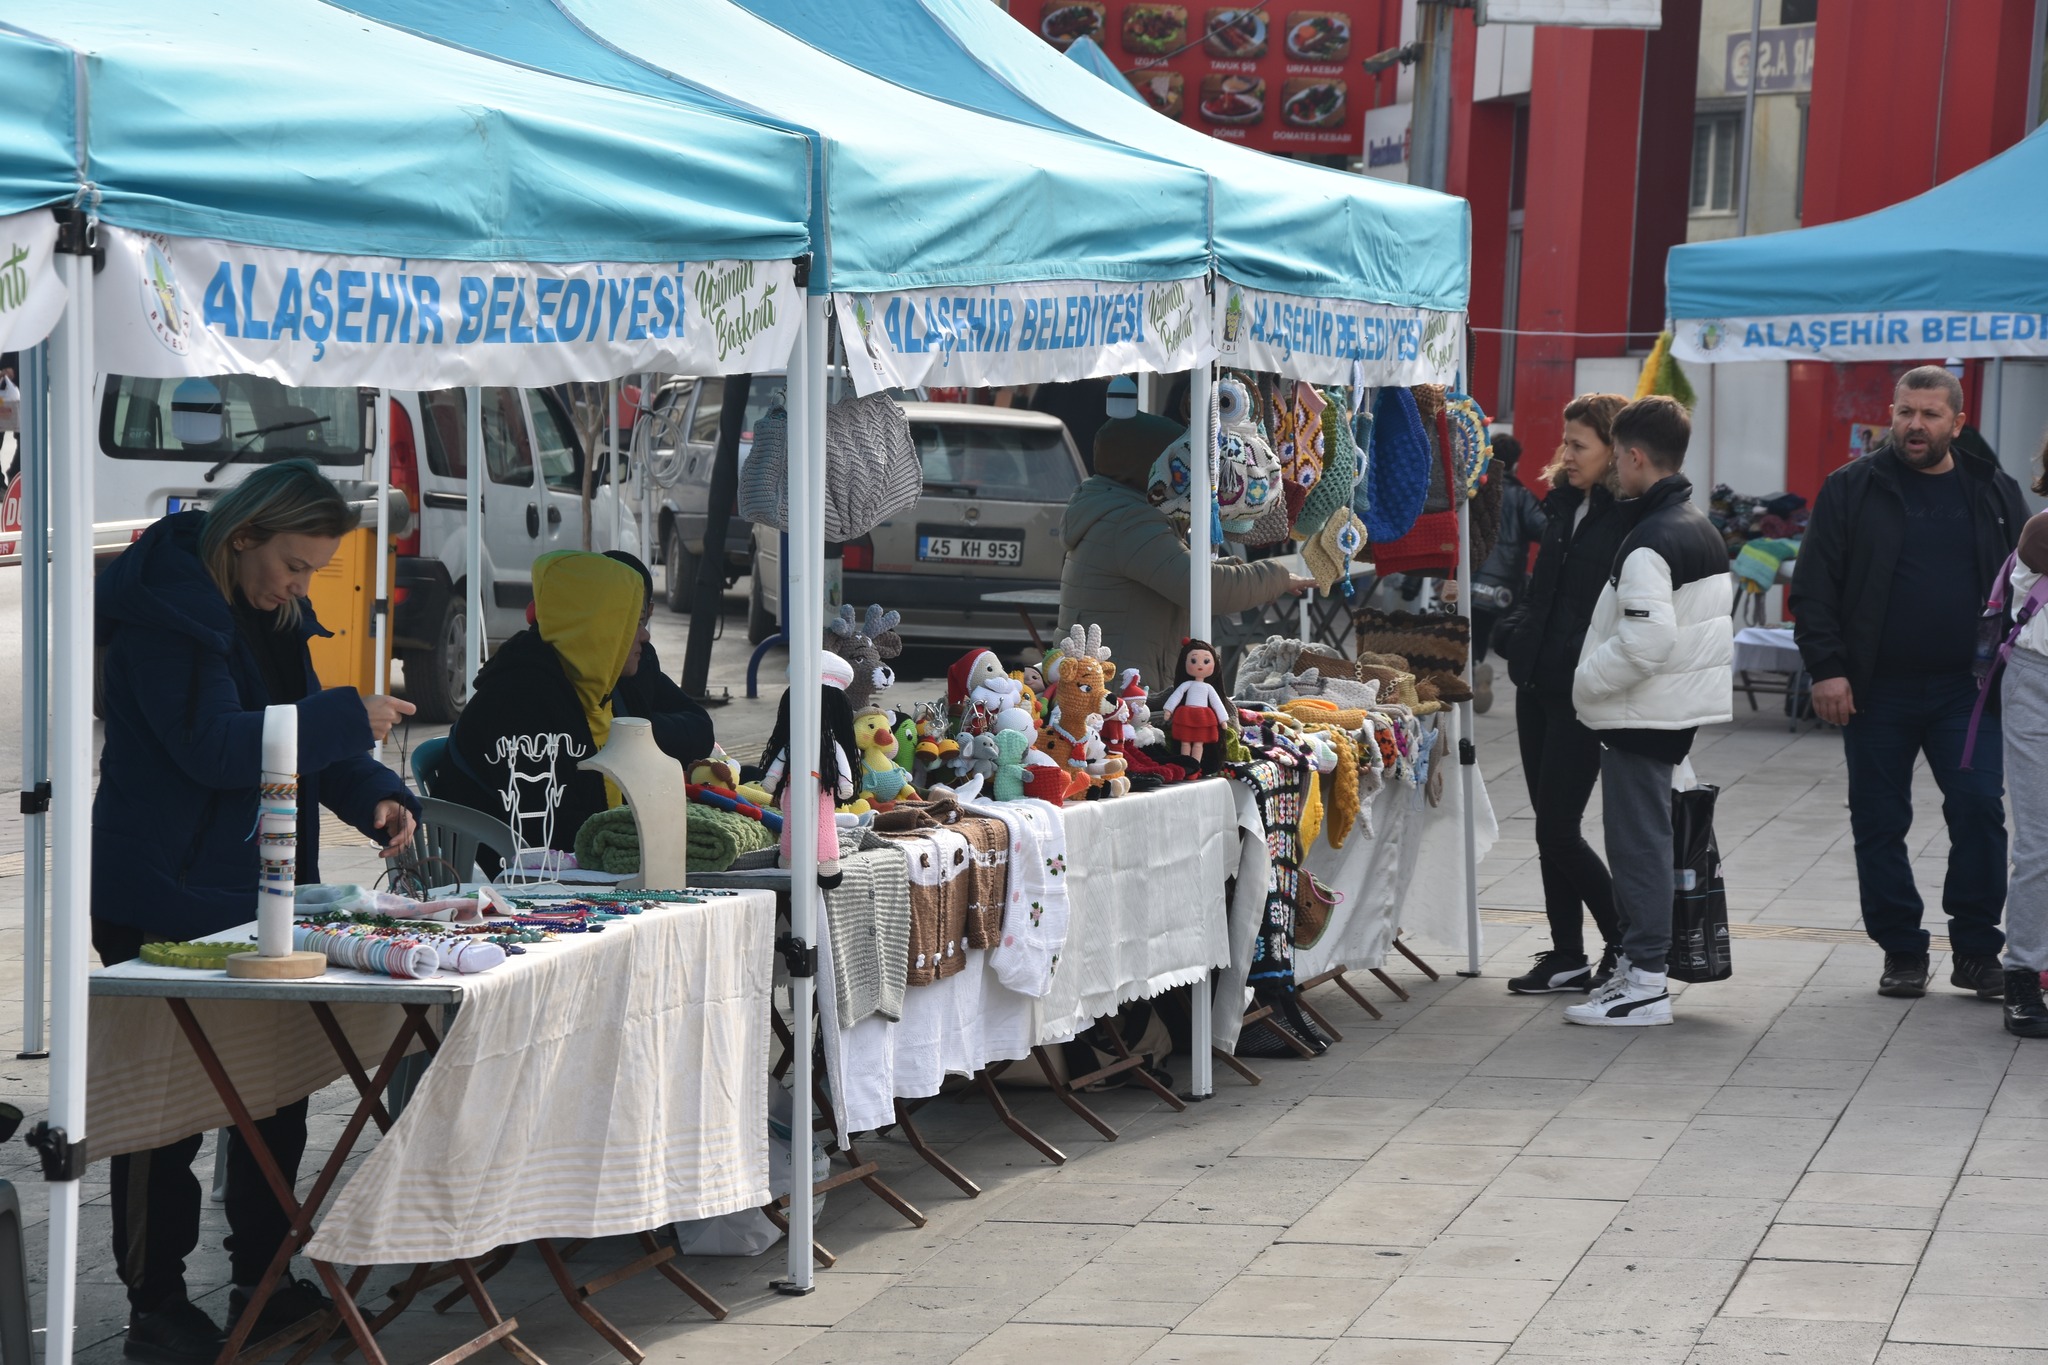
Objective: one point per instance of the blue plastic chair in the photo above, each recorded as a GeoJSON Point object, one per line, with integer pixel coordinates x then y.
{"type": "Point", "coordinates": [429, 757]}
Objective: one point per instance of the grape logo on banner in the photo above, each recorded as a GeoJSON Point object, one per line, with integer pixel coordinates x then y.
{"type": "Point", "coordinates": [311, 318]}
{"type": "Point", "coordinates": [1037, 332]}
{"type": "Point", "coordinates": [162, 307]}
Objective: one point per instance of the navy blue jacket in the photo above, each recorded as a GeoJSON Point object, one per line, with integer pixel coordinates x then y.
{"type": "Point", "coordinates": [173, 851]}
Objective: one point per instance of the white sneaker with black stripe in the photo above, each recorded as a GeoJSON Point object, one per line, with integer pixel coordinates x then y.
{"type": "Point", "coordinates": [1631, 999]}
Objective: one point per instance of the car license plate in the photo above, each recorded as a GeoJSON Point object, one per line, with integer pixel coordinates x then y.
{"type": "Point", "coordinates": [947, 549]}
{"type": "Point", "coordinates": [175, 505]}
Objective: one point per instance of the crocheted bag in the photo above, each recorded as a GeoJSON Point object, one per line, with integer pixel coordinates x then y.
{"type": "Point", "coordinates": [1340, 469]}
{"type": "Point", "coordinates": [1298, 441]}
{"type": "Point", "coordinates": [1431, 544]}
{"type": "Point", "coordinates": [872, 469]}
{"type": "Point", "coordinates": [1398, 471]}
{"type": "Point", "coordinates": [1431, 642]}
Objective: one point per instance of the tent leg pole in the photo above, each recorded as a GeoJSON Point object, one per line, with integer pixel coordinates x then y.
{"type": "Point", "coordinates": [35, 688]}
{"type": "Point", "coordinates": [380, 666]}
{"type": "Point", "coordinates": [473, 525]}
{"type": "Point", "coordinates": [71, 664]}
{"type": "Point", "coordinates": [803, 612]}
{"type": "Point", "coordinates": [1468, 754]}
{"type": "Point", "coordinates": [1201, 625]}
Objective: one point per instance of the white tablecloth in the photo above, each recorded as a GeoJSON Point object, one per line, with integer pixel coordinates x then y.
{"type": "Point", "coordinates": [607, 1090]}
{"type": "Point", "coordinates": [606, 1083]}
{"type": "Point", "coordinates": [1145, 875]}
{"type": "Point", "coordinates": [1763, 649]}
{"type": "Point", "coordinates": [1408, 875]}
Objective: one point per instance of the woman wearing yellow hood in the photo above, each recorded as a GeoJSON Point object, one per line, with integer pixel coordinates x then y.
{"type": "Point", "coordinates": [553, 679]}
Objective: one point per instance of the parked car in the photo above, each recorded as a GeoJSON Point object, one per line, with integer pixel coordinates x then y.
{"type": "Point", "coordinates": [996, 484]}
{"type": "Point", "coordinates": [678, 431]}
{"type": "Point", "coordinates": [533, 485]}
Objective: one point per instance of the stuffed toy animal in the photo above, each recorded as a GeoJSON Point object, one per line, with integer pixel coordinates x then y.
{"type": "Point", "coordinates": [865, 645]}
{"type": "Point", "coordinates": [1080, 694]}
{"type": "Point", "coordinates": [1195, 713]}
{"type": "Point", "coordinates": [934, 746]}
{"type": "Point", "coordinates": [979, 756]}
{"type": "Point", "coordinates": [1140, 732]}
{"type": "Point", "coordinates": [1032, 679]}
{"type": "Point", "coordinates": [881, 781]}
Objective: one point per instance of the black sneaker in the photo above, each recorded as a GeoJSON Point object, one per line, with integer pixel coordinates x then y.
{"type": "Point", "coordinates": [178, 1333]}
{"type": "Point", "coordinates": [290, 1303]}
{"type": "Point", "coordinates": [1905, 975]}
{"type": "Point", "coordinates": [1609, 957]}
{"type": "Point", "coordinates": [2026, 1016]}
{"type": "Point", "coordinates": [1554, 972]}
{"type": "Point", "coordinates": [1980, 973]}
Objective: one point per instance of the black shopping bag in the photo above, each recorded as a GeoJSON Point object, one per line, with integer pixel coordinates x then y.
{"type": "Point", "coordinates": [1699, 908]}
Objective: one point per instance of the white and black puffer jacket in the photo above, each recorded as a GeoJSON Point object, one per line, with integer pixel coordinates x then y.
{"type": "Point", "coordinates": [1658, 653]}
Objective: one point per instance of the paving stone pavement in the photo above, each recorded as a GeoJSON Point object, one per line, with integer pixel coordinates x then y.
{"type": "Point", "coordinates": [1798, 1170]}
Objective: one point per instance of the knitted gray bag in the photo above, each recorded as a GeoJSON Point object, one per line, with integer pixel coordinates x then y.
{"type": "Point", "coordinates": [872, 469]}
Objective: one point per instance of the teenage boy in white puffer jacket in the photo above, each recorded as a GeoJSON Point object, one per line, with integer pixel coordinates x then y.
{"type": "Point", "coordinates": [1654, 668]}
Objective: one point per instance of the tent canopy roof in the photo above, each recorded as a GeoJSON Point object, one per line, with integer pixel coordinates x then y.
{"type": "Point", "coordinates": [1973, 244]}
{"type": "Point", "coordinates": [921, 193]}
{"type": "Point", "coordinates": [1277, 224]}
{"type": "Point", "coordinates": [38, 123]}
{"type": "Point", "coordinates": [289, 123]}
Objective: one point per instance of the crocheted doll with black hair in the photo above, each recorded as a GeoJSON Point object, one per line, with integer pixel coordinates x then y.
{"type": "Point", "coordinates": [1195, 711]}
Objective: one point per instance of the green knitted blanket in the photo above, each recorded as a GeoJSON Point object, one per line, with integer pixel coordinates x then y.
{"type": "Point", "coordinates": [609, 842]}
{"type": "Point", "coordinates": [719, 836]}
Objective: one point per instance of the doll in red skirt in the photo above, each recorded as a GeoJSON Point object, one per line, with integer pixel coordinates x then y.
{"type": "Point", "coordinates": [1195, 712]}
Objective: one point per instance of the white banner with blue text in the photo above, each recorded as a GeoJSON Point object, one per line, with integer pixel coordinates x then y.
{"type": "Point", "coordinates": [1933, 335]}
{"type": "Point", "coordinates": [31, 295]}
{"type": "Point", "coordinates": [171, 306]}
{"type": "Point", "coordinates": [1336, 341]}
{"type": "Point", "coordinates": [1044, 331]}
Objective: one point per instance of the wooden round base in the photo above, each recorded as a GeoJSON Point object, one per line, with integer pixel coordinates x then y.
{"type": "Point", "coordinates": [292, 966]}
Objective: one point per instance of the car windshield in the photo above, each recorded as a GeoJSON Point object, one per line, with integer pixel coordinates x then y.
{"type": "Point", "coordinates": [249, 419]}
{"type": "Point", "coordinates": [988, 460]}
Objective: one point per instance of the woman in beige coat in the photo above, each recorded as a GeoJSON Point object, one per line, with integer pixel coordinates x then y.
{"type": "Point", "coordinates": [1127, 567]}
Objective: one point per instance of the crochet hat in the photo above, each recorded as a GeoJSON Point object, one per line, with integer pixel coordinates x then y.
{"type": "Point", "coordinates": [1399, 468]}
{"type": "Point", "coordinates": [1125, 447]}
{"type": "Point", "coordinates": [834, 671]}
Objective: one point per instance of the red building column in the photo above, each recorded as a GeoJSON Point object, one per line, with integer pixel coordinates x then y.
{"type": "Point", "coordinates": [1578, 226]}
{"type": "Point", "coordinates": [1906, 93]}
{"type": "Point", "coordinates": [1481, 167]}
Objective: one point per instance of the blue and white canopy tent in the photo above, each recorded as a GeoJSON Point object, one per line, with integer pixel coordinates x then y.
{"type": "Point", "coordinates": [1961, 270]}
{"type": "Point", "coordinates": [432, 219]}
{"type": "Point", "coordinates": [1323, 276]}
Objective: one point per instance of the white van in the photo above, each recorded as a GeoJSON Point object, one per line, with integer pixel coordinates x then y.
{"type": "Point", "coordinates": [532, 500]}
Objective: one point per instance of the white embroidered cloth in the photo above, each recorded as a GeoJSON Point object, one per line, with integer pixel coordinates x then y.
{"type": "Point", "coordinates": [1144, 876]}
{"type": "Point", "coordinates": [1145, 880]}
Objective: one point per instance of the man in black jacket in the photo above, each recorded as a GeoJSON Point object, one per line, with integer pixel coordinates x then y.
{"type": "Point", "coordinates": [1891, 579]}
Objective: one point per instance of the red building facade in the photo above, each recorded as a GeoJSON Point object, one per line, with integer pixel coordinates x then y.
{"type": "Point", "coordinates": [1592, 167]}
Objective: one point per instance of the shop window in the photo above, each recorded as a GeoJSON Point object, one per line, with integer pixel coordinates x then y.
{"type": "Point", "coordinates": [1715, 139]}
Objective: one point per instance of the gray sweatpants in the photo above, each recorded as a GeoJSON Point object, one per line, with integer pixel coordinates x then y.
{"type": "Point", "coordinates": [2025, 721]}
{"type": "Point", "coordinates": [1635, 810]}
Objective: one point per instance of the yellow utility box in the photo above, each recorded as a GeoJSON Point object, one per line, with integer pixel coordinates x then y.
{"type": "Point", "coordinates": [344, 597]}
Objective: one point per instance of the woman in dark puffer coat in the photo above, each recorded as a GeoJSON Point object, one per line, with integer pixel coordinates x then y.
{"type": "Point", "coordinates": [1584, 525]}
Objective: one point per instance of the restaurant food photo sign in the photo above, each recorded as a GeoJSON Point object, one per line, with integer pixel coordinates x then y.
{"type": "Point", "coordinates": [1281, 78]}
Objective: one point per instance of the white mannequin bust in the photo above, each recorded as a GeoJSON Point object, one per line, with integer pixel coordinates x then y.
{"type": "Point", "coordinates": [652, 784]}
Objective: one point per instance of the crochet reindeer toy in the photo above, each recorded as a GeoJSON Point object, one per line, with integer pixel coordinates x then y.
{"type": "Point", "coordinates": [1079, 680]}
{"type": "Point", "coordinates": [865, 645]}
